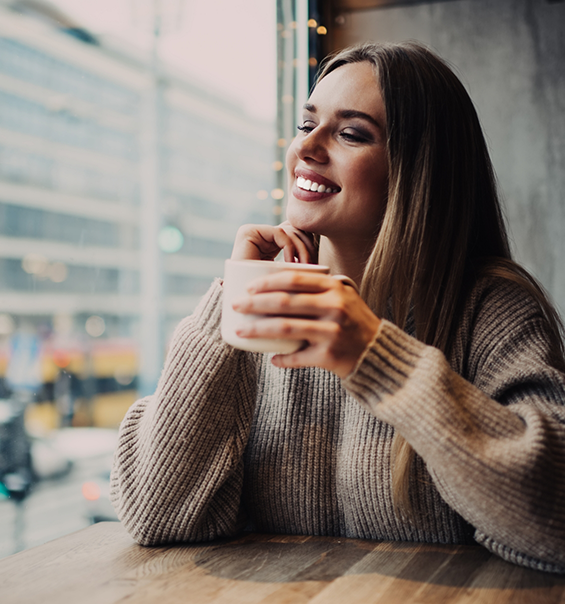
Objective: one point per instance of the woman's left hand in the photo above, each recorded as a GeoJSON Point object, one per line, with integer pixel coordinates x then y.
{"type": "Point", "coordinates": [318, 309]}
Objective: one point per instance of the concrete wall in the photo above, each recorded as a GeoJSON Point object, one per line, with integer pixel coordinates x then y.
{"type": "Point", "coordinates": [511, 56]}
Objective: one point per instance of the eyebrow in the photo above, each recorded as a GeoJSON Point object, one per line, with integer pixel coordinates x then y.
{"type": "Point", "coordinates": [348, 113]}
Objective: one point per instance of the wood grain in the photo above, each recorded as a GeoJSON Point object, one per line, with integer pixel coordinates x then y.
{"type": "Point", "coordinates": [102, 565]}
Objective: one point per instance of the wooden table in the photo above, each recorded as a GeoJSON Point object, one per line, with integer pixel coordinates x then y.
{"type": "Point", "coordinates": [102, 565]}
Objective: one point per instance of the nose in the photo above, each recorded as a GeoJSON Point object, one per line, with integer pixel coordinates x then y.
{"type": "Point", "coordinates": [312, 146]}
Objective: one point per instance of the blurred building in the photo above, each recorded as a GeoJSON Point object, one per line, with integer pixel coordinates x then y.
{"type": "Point", "coordinates": [73, 151]}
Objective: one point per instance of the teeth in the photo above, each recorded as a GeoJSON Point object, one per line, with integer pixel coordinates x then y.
{"type": "Point", "coordinates": [308, 185]}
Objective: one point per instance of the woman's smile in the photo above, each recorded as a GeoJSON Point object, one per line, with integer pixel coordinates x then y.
{"type": "Point", "coordinates": [310, 186]}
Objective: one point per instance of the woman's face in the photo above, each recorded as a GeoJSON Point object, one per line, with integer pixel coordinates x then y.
{"type": "Point", "coordinates": [341, 147]}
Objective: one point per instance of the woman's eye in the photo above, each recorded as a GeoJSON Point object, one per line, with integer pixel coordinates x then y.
{"type": "Point", "coordinates": [305, 128]}
{"type": "Point", "coordinates": [353, 136]}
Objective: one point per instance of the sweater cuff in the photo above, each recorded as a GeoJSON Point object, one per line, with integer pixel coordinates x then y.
{"type": "Point", "coordinates": [385, 365]}
{"type": "Point", "coordinates": [515, 557]}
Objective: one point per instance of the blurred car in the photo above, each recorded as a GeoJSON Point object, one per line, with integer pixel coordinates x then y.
{"type": "Point", "coordinates": [16, 475]}
{"type": "Point", "coordinates": [96, 494]}
{"type": "Point", "coordinates": [47, 461]}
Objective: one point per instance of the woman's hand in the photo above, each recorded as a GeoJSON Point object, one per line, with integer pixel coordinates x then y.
{"type": "Point", "coordinates": [327, 314]}
{"type": "Point", "coordinates": [264, 242]}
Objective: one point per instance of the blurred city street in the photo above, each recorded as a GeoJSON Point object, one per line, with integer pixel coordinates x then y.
{"type": "Point", "coordinates": [57, 506]}
{"type": "Point", "coordinates": [131, 149]}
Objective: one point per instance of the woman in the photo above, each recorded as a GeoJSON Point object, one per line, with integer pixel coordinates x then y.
{"type": "Point", "coordinates": [428, 408]}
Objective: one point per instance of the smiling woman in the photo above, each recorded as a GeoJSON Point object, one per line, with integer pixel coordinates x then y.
{"type": "Point", "coordinates": [430, 407]}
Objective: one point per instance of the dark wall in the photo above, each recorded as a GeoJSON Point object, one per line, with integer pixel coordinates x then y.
{"type": "Point", "coordinates": [511, 56]}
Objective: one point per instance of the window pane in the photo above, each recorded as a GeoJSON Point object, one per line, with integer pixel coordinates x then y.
{"type": "Point", "coordinates": [133, 143]}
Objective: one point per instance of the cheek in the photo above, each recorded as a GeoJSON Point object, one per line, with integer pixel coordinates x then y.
{"type": "Point", "coordinates": [290, 159]}
{"type": "Point", "coordinates": [376, 173]}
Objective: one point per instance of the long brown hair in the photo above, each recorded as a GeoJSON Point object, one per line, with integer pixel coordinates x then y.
{"type": "Point", "coordinates": [443, 225]}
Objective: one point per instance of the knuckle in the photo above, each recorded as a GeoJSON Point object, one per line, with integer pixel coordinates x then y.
{"type": "Point", "coordinates": [294, 278]}
{"type": "Point", "coordinates": [285, 301]}
{"type": "Point", "coordinates": [251, 329]}
{"type": "Point", "coordinates": [246, 228]}
{"type": "Point", "coordinates": [339, 313]}
{"type": "Point", "coordinates": [285, 327]}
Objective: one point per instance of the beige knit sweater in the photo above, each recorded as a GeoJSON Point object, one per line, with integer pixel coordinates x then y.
{"type": "Point", "coordinates": [229, 440]}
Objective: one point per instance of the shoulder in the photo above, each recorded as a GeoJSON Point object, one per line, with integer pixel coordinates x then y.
{"type": "Point", "coordinates": [501, 316]}
{"type": "Point", "coordinates": [503, 302]}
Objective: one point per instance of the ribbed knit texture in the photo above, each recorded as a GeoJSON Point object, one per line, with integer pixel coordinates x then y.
{"type": "Point", "coordinates": [228, 439]}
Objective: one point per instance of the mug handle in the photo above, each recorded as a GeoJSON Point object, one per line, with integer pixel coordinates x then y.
{"type": "Point", "coordinates": [346, 281]}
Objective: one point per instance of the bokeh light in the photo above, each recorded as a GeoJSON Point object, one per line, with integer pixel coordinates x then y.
{"type": "Point", "coordinates": [57, 272]}
{"type": "Point", "coordinates": [170, 239]}
{"type": "Point", "coordinates": [123, 376]}
{"type": "Point", "coordinates": [7, 324]}
{"type": "Point", "coordinates": [35, 264]}
{"type": "Point", "coordinates": [95, 326]}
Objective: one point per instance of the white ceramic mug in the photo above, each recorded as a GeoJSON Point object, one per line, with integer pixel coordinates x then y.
{"type": "Point", "coordinates": [237, 276]}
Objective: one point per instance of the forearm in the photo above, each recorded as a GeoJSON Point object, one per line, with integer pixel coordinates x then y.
{"type": "Point", "coordinates": [498, 466]}
{"type": "Point", "coordinates": [178, 468]}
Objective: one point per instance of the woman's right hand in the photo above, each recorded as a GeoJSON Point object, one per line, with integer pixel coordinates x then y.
{"type": "Point", "coordinates": [264, 242]}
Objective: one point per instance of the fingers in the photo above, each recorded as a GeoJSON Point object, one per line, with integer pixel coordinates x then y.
{"type": "Point", "coordinates": [292, 245]}
{"type": "Point", "coordinates": [292, 293]}
{"type": "Point", "coordinates": [306, 238]}
{"type": "Point", "coordinates": [290, 328]}
{"type": "Point", "coordinates": [335, 322]}
{"type": "Point", "coordinates": [325, 346]}
{"type": "Point", "coordinates": [264, 242]}
{"type": "Point", "coordinates": [292, 281]}
{"type": "Point", "coordinates": [280, 304]}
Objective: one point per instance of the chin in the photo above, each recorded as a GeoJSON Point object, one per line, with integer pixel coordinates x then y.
{"type": "Point", "coordinates": [300, 220]}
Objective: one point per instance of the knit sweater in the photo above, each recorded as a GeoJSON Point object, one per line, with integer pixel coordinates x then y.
{"type": "Point", "coordinates": [229, 440]}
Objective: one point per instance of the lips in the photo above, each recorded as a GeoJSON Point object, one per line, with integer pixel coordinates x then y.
{"type": "Point", "coordinates": [310, 186]}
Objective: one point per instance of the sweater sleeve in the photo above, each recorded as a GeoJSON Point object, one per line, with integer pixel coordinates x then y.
{"type": "Point", "coordinates": [494, 443]}
{"type": "Point", "coordinates": [178, 468]}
